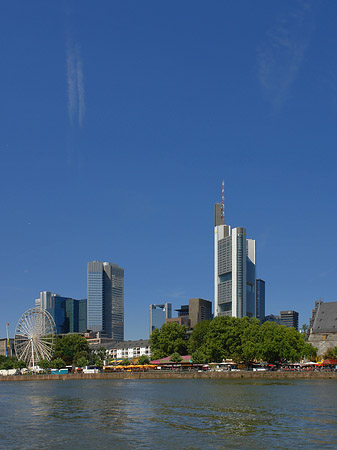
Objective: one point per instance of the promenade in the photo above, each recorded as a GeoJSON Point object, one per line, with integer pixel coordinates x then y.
{"type": "Point", "coordinates": [158, 375]}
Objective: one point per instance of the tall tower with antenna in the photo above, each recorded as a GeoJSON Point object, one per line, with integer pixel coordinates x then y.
{"type": "Point", "coordinates": [234, 267]}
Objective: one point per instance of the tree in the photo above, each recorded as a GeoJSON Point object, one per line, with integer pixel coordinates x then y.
{"type": "Point", "coordinates": [280, 343]}
{"type": "Point", "coordinates": [82, 362]}
{"type": "Point", "coordinates": [171, 338]}
{"type": "Point", "coordinates": [198, 357]}
{"type": "Point", "coordinates": [70, 347]}
{"type": "Point", "coordinates": [19, 364]}
{"type": "Point", "coordinates": [143, 359]}
{"type": "Point", "coordinates": [176, 357]}
{"type": "Point", "coordinates": [309, 351]}
{"type": "Point", "coordinates": [198, 336]}
{"type": "Point", "coordinates": [45, 364]}
{"type": "Point", "coordinates": [58, 363]}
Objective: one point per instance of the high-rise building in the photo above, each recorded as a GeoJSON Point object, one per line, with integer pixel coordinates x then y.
{"type": "Point", "coordinates": [158, 315]}
{"type": "Point", "coordinates": [105, 303]}
{"type": "Point", "coordinates": [260, 299]}
{"type": "Point", "coordinates": [289, 319]}
{"type": "Point", "coordinates": [65, 312]}
{"type": "Point", "coordinates": [234, 269]}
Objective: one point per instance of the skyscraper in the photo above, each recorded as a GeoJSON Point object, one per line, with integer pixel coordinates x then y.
{"type": "Point", "coordinates": [234, 269]}
{"type": "Point", "coordinates": [105, 303]}
{"type": "Point", "coordinates": [158, 315]}
{"type": "Point", "coordinates": [69, 314]}
{"type": "Point", "coordinates": [260, 300]}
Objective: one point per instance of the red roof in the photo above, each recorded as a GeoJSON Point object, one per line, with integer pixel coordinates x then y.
{"type": "Point", "coordinates": [185, 358]}
{"type": "Point", "coordinates": [327, 362]}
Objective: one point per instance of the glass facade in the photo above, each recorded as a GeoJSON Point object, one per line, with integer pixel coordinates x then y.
{"type": "Point", "coordinates": [70, 315]}
{"type": "Point", "coordinates": [105, 302]}
{"type": "Point", "coordinates": [95, 296]}
{"type": "Point", "coordinates": [158, 315]}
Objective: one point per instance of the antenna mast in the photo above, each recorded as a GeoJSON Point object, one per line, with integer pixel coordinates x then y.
{"type": "Point", "coordinates": [223, 201]}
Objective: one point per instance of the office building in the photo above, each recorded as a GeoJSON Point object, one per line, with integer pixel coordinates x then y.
{"type": "Point", "coordinates": [289, 319]}
{"type": "Point", "coordinates": [234, 269]}
{"type": "Point", "coordinates": [105, 302]}
{"type": "Point", "coordinates": [199, 309]}
{"type": "Point", "coordinates": [68, 313]}
{"type": "Point", "coordinates": [260, 300]}
{"type": "Point", "coordinates": [158, 315]}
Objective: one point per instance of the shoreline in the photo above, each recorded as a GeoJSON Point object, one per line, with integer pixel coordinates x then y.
{"type": "Point", "coordinates": [175, 376]}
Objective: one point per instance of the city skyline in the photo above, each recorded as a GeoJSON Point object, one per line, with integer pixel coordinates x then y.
{"type": "Point", "coordinates": [119, 123]}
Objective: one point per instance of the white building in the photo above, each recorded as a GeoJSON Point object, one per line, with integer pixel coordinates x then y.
{"type": "Point", "coordinates": [234, 269]}
{"type": "Point", "coordinates": [129, 349]}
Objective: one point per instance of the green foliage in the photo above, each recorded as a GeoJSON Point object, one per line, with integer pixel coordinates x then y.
{"type": "Point", "coordinates": [309, 351]}
{"type": "Point", "coordinates": [198, 357]}
{"type": "Point", "coordinates": [18, 364]}
{"type": "Point", "coordinates": [143, 359]}
{"type": "Point", "coordinates": [170, 339]}
{"type": "Point", "coordinates": [58, 363]}
{"type": "Point", "coordinates": [176, 357]}
{"type": "Point", "coordinates": [126, 362]}
{"type": "Point", "coordinates": [45, 364]}
{"type": "Point", "coordinates": [230, 337]}
{"type": "Point", "coordinates": [82, 362]}
{"type": "Point", "coordinates": [71, 347]}
{"type": "Point", "coordinates": [280, 343]}
{"type": "Point", "coordinates": [7, 362]}
{"type": "Point", "coordinates": [198, 336]}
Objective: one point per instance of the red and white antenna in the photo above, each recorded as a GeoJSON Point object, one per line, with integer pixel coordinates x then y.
{"type": "Point", "coordinates": [223, 200]}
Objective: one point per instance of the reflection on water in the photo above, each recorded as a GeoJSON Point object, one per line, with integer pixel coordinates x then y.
{"type": "Point", "coordinates": [175, 414]}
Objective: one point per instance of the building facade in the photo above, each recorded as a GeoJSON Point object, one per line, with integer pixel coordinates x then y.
{"type": "Point", "coordinates": [158, 315]}
{"type": "Point", "coordinates": [234, 269]}
{"type": "Point", "coordinates": [260, 300]}
{"type": "Point", "coordinates": [3, 347]}
{"type": "Point", "coordinates": [69, 314]}
{"type": "Point", "coordinates": [129, 349]}
{"type": "Point", "coordinates": [199, 309]}
{"type": "Point", "coordinates": [289, 319]}
{"type": "Point", "coordinates": [105, 302]}
{"type": "Point", "coordinates": [323, 326]}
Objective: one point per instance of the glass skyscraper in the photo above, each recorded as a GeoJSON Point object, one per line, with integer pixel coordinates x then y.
{"type": "Point", "coordinates": [234, 269]}
{"type": "Point", "coordinates": [69, 314]}
{"type": "Point", "coordinates": [105, 303]}
{"type": "Point", "coordinates": [158, 315]}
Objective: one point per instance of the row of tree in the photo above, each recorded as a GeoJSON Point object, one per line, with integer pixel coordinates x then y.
{"type": "Point", "coordinates": [230, 337]}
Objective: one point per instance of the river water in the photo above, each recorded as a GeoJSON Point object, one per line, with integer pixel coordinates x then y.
{"type": "Point", "coordinates": [168, 414]}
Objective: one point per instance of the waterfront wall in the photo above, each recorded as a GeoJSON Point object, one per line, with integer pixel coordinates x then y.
{"type": "Point", "coordinates": [156, 375]}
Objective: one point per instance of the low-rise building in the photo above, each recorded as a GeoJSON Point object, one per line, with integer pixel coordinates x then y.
{"type": "Point", "coordinates": [129, 349]}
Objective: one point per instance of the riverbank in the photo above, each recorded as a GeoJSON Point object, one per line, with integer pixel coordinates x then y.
{"type": "Point", "coordinates": [157, 375]}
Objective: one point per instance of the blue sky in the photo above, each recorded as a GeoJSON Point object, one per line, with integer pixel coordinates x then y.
{"type": "Point", "coordinates": [120, 119]}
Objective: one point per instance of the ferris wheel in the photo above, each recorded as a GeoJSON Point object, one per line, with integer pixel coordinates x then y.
{"type": "Point", "coordinates": [35, 336]}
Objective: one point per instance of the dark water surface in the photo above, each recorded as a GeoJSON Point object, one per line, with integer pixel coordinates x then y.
{"type": "Point", "coordinates": [168, 414]}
